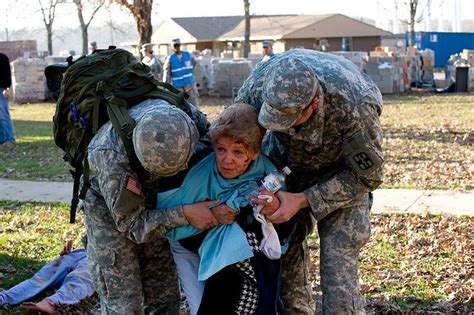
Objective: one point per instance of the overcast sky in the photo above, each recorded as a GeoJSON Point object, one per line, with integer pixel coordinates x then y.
{"type": "Point", "coordinates": [19, 16]}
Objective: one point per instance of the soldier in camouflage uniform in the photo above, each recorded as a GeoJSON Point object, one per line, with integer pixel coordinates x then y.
{"type": "Point", "coordinates": [129, 261]}
{"type": "Point", "coordinates": [323, 114]}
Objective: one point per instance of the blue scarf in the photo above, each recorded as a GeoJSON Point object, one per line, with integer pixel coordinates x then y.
{"type": "Point", "coordinates": [224, 244]}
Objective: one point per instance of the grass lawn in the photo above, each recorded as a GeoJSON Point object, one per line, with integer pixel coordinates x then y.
{"type": "Point", "coordinates": [428, 141]}
{"type": "Point", "coordinates": [413, 262]}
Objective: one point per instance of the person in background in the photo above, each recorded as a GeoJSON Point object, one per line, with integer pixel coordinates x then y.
{"type": "Point", "coordinates": [92, 47]}
{"type": "Point", "coordinates": [67, 275]}
{"type": "Point", "coordinates": [323, 120]}
{"type": "Point", "coordinates": [7, 134]}
{"type": "Point", "coordinates": [152, 61]}
{"type": "Point", "coordinates": [178, 70]}
{"type": "Point", "coordinates": [267, 50]}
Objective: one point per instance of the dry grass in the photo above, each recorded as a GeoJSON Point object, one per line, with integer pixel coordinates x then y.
{"type": "Point", "coordinates": [421, 263]}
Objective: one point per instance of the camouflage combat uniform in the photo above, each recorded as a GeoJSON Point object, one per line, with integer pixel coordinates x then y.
{"type": "Point", "coordinates": [129, 261]}
{"type": "Point", "coordinates": [155, 65]}
{"type": "Point", "coordinates": [336, 160]}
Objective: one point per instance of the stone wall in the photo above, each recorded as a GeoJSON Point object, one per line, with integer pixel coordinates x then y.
{"type": "Point", "coordinates": [28, 80]}
{"type": "Point", "coordinates": [221, 76]}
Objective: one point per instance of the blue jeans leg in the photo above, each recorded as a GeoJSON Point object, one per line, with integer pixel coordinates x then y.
{"type": "Point", "coordinates": [6, 125]}
{"type": "Point", "coordinates": [187, 264]}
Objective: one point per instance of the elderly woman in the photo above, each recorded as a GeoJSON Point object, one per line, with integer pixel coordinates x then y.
{"type": "Point", "coordinates": [227, 256]}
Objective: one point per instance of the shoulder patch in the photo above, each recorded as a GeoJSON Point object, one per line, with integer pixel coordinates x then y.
{"type": "Point", "coordinates": [133, 186]}
{"type": "Point", "coordinates": [361, 154]}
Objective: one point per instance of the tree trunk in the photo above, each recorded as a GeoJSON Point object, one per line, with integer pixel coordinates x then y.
{"type": "Point", "coordinates": [247, 29]}
{"type": "Point", "coordinates": [413, 7]}
{"type": "Point", "coordinates": [143, 19]}
{"type": "Point", "coordinates": [49, 13]}
{"type": "Point", "coordinates": [49, 31]}
{"type": "Point", "coordinates": [85, 40]}
{"type": "Point", "coordinates": [85, 36]}
{"type": "Point", "coordinates": [141, 11]}
{"type": "Point", "coordinates": [85, 25]}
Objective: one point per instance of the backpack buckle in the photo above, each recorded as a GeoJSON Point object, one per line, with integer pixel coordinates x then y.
{"type": "Point", "coordinates": [100, 86]}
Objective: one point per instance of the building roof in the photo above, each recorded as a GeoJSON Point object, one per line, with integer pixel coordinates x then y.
{"type": "Point", "coordinates": [336, 25]}
{"type": "Point", "coordinates": [303, 26]}
{"type": "Point", "coordinates": [208, 28]}
{"type": "Point", "coordinates": [275, 27]}
{"type": "Point", "coordinates": [272, 26]}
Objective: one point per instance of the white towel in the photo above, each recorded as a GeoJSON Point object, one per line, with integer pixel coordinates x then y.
{"type": "Point", "coordinates": [270, 244]}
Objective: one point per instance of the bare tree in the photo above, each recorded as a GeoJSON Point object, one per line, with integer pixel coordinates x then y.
{"type": "Point", "coordinates": [416, 13]}
{"type": "Point", "coordinates": [48, 12]}
{"type": "Point", "coordinates": [81, 8]}
{"type": "Point", "coordinates": [113, 29]}
{"type": "Point", "coordinates": [141, 11]}
{"type": "Point", "coordinates": [247, 28]}
{"type": "Point", "coordinates": [413, 7]}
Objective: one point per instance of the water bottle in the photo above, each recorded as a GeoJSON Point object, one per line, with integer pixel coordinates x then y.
{"type": "Point", "coordinates": [272, 182]}
{"type": "Point", "coordinates": [275, 180]}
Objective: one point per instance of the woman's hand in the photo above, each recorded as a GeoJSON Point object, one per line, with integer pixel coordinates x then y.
{"type": "Point", "coordinates": [268, 207]}
{"type": "Point", "coordinates": [224, 214]}
{"type": "Point", "coordinates": [6, 93]}
{"type": "Point", "coordinates": [199, 215]}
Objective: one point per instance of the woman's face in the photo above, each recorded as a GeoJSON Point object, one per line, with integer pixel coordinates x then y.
{"type": "Point", "coordinates": [232, 157]}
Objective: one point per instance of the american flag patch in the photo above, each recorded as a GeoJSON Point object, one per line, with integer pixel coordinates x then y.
{"type": "Point", "coordinates": [134, 186]}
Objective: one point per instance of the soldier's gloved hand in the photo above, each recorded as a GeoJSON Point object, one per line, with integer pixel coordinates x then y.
{"type": "Point", "coordinates": [224, 214]}
{"type": "Point", "coordinates": [199, 215]}
{"type": "Point", "coordinates": [268, 207]}
{"type": "Point", "coordinates": [291, 203]}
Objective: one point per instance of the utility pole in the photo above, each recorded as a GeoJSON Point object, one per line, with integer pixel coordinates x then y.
{"type": "Point", "coordinates": [457, 16]}
{"type": "Point", "coordinates": [247, 28]}
{"type": "Point", "coordinates": [428, 17]}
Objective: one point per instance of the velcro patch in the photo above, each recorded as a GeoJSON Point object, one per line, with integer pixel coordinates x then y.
{"type": "Point", "coordinates": [133, 186]}
{"type": "Point", "coordinates": [363, 161]}
{"type": "Point", "coordinates": [362, 154]}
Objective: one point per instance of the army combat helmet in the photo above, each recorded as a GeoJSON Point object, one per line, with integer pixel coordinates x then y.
{"type": "Point", "coordinates": [288, 89]}
{"type": "Point", "coordinates": [164, 139]}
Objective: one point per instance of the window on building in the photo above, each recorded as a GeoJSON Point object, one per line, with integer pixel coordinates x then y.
{"type": "Point", "coordinates": [346, 44]}
{"type": "Point", "coordinates": [321, 44]}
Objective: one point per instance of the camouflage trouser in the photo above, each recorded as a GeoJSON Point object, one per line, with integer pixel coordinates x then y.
{"type": "Point", "coordinates": [342, 234]}
{"type": "Point", "coordinates": [193, 94]}
{"type": "Point", "coordinates": [296, 292]}
{"type": "Point", "coordinates": [130, 278]}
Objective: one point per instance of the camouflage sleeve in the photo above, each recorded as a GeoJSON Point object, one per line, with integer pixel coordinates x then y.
{"type": "Point", "coordinates": [120, 188]}
{"type": "Point", "coordinates": [167, 70]}
{"type": "Point", "coordinates": [362, 149]}
{"type": "Point", "coordinates": [157, 68]}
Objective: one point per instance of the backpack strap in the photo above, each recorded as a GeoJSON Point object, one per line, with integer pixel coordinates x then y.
{"type": "Point", "coordinates": [75, 196]}
{"type": "Point", "coordinates": [76, 174]}
{"type": "Point", "coordinates": [172, 95]}
{"type": "Point", "coordinates": [124, 124]}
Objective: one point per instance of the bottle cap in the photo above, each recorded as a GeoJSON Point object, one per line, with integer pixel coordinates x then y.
{"type": "Point", "coordinates": [286, 170]}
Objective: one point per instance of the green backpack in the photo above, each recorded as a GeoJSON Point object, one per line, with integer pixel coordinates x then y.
{"type": "Point", "coordinates": [98, 88]}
